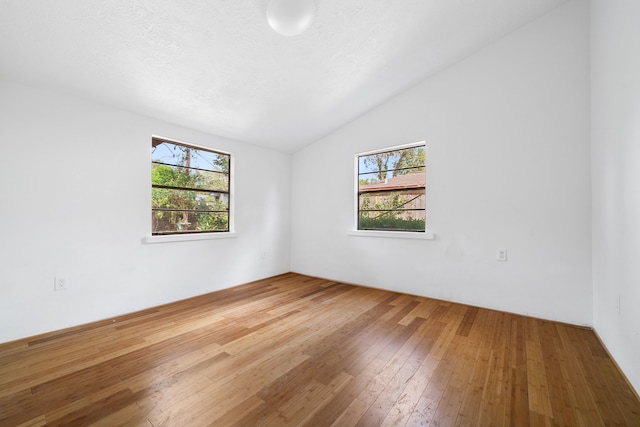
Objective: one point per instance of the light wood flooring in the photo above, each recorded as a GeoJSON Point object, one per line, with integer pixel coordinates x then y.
{"type": "Point", "coordinates": [296, 350]}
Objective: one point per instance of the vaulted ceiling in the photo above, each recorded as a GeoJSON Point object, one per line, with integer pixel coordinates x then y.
{"type": "Point", "coordinates": [216, 65]}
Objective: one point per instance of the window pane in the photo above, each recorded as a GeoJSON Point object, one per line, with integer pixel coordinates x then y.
{"type": "Point", "coordinates": [179, 155]}
{"type": "Point", "coordinates": [383, 162]}
{"type": "Point", "coordinates": [162, 198]}
{"type": "Point", "coordinates": [393, 200]}
{"type": "Point", "coordinates": [170, 222]}
{"type": "Point", "coordinates": [379, 220]}
{"type": "Point", "coordinates": [182, 177]}
{"type": "Point", "coordinates": [391, 190]}
{"type": "Point", "coordinates": [392, 210]}
{"type": "Point", "coordinates": [190, 188]}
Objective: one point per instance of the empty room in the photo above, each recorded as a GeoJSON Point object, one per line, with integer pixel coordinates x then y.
{"type": "Point", "coordinates": [320, 213]}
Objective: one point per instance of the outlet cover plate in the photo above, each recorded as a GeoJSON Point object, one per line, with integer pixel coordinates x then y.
{"type": "Point", "coordinates": [59, 284]}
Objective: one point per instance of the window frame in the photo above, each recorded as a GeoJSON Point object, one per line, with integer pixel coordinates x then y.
{"type": "Point", "coordinates": [200, 234]}
{"type": "Point", "coordinates": [407, 234]}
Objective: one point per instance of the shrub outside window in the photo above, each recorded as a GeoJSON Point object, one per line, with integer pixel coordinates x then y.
{"type": "Point", "coordinates": [190, 188]}
{"type": "Point", "coordinates": [391, 189]}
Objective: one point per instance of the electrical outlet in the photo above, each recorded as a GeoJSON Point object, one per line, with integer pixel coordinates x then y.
{"type": "Point", "coordinates": [264, 255]}
{"type": "Point", "coordinates": [501, 254]}
{"type": "Point", "coordinates": [59, 284]}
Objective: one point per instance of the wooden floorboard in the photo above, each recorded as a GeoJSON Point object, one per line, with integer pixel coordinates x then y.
{"type": "Point", "coordinates": [298, 350]}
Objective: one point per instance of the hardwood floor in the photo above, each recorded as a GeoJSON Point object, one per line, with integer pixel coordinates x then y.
{"type": "Point", "coordinates": [297, 350]}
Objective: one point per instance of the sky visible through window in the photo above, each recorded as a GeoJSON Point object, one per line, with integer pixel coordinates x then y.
{"type": "Point", "coordinates": [173, 154]}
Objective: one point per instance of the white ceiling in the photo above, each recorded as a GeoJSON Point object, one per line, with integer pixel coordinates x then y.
{"type": "Point", "coordinates": [216, 66]}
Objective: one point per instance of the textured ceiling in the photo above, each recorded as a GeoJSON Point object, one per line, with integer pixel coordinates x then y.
{"type": "Point", "coordinates": [216, 65]}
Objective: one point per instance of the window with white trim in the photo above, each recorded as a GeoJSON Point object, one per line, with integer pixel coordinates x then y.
{"type": "Point", "coordinates": [391, 188]}
{"type": "Point", "coordinates": [190, 188]}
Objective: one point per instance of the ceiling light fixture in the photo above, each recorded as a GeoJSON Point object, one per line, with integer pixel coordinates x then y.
{"type": "Point", "coordinates": [290, 17]}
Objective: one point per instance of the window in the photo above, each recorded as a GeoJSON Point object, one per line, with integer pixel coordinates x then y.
{"type": "Point", "coordinates": [190, 188]}
{"type": "Point", "coordinates": [391, 189]}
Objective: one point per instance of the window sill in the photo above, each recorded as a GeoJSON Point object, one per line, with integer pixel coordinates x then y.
{"type": "Point", "coordinates": [188, 237]}
{"type": "Point", "coordinates": [427, 235]}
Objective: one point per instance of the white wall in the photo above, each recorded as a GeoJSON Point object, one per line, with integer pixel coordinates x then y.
{"type": "Point", "coordinates": [508, 155]}
{"type": "Point", "coordinates": [615, 38]}
{"type": "Point", "coordinates": [75, 202]}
